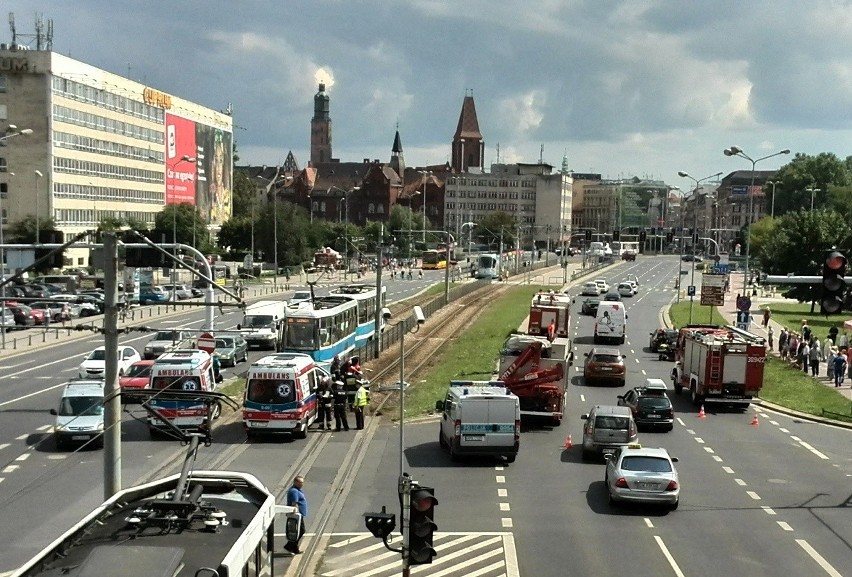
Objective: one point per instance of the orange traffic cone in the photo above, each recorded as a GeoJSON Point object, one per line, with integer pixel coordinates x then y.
{"type": "Point", "coordinates": [568, 442]}
{"type": "Point", "coordinates": [754, 421]}
{"type": "Point", "coordinates": [701, 414]}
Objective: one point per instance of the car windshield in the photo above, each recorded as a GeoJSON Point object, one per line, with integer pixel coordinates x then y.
{"type": "Point", "coordinates": [97, 355]}
{"type": "Point", "coordinates": [302, 295]}
{"type": "Point", "coordinates": [606, 359]}
{"type": "Point", "coordinates": [166, 336]}
{"type": "Point", "coordinates": [645, 463]}
{"type": "Point", "coordinates": [224, 343]}
{"type": "Point", "coordinates": [271, 391]}
{"type": "Point", "coordinates": [258, 321]}
{"type": "Point", "coordinates": [138, 371]}
{"type": "Point", "coordinates": [611, 422]}
{"type": "Point", "coordinates": [81, 406]}
{"type": "Point", "coordinates": [301, 334]}
{"type": "Point", "coordinates": [654, 402]}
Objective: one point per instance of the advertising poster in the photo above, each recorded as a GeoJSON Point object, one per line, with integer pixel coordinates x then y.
{"type": "Point", "coordinates": [180, 174]}
{"type": "Point", "coordinates": [213, 152]}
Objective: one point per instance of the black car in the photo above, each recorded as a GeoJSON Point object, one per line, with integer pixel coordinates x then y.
{"type": "Point", "coordinates": [590, 306]}
{"type": "Point", "coordinates": [650, 406]}
{"type": "Point", "coordinates": [668, 336]}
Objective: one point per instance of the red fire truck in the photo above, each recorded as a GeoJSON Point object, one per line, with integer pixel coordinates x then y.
{"type": "Point", "coordinates": [718, 364]}
{"type": "Point", "coordinates": [537, 380]}
{"type": "Point", "coordinates": [547, 307]}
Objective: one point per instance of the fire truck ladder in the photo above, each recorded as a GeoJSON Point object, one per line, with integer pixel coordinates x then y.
{"type": "Point", "coordinates": [715, 364]}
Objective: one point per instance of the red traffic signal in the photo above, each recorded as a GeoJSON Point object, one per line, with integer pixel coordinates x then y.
{"type": "Point", "coordinates": [421, 525]}
{"type": "Point", "coordinates": [833, 283]}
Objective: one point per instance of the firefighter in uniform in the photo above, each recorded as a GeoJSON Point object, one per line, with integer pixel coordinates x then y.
{"type": "Point", "coordinates": [340, 418]}
{"type": "Point", "coordinates": [324, 398]}
{"type": "Point", "coordinates": [362, 399]}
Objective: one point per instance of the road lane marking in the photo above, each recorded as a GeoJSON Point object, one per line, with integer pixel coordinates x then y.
{"type": "Point", "coordinates": [753, 495]}
{"type": "Point", "coordinates": [740, 482]}
{"type": "Point", "coordinates": [501, 479]}
{"type": "Point", "coordinates": [649, 523]}
{"type": "Point", "coordinates": [511, 556]}
{"type": "Point", "coordinates": [784, 525]}
{"type": "Point", "coordinates": [4, 445]}
{"type": "Point", "coordinates": [668, 556]}
{"type": "Point", "coordinates": [826, 566]}
{"type": "Point", "coordinates": [783, 430]}
{"type": "Point", "coordinates": [699, 440]}
{"type": "Point", "coordinates": [768, 510]}
{"type": "Point", "coordinates": [506, 522]}
{"type": "Point", "coordinates": [709, 449]}
{"type": "Point", "coordinates": [813, 450]}
{"type": "Point", "coordinates": [505, 507]}
{"type": "Point", "coordinates": [502, 493]}
{"type": "Point", "coordinates": [9, 402]}
{"type": "Point", "coordinates": [717, 458]}
{"type": "Point", "coordinates": [728, 470]}
{"type": "Point", "coordinates": [10, 469]}
{"type": "Point", "coordinates": [23, 457]}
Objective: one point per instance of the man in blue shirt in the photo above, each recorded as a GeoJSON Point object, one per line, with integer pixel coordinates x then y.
{"type": "Point", "coordinates": [296, 498]}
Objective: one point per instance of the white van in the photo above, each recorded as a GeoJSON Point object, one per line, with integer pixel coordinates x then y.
{"type": "Point", "coordinates": [610, 323]}
{"type": "Point", "coordinates": [261, 326]}
{"type": "Point", "coordinates": [80, 417]}
{"type": "Point", "coordinates": [480, 418]}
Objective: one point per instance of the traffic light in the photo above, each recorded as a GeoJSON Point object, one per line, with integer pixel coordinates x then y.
{"type": "Point", "coordinates": [421, 525]}
{"type": "Point", "coordinates": [833, 283]}
{"type": "Point", "coordinates": [653, 231]}
{"type": "Point", "coordinates": [588, 236]}
{"type": "Point", "coordinates": [616, 235]}
{"type": "Point", "coordinates": [694, 236]}
{"type": "Point", "coordinates": [382, 524]}
{"type": "Point", "coordinates": [56, 260]}
{"type": "Point", "coordinates": [669, 236]}
{"type": "Point", "coordinates": [642, 235]}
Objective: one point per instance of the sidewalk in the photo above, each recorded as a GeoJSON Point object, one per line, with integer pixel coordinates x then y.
{"type": "Point", "coordinates": [729, 311]}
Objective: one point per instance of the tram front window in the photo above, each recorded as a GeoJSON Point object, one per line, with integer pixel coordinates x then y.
{"type": "Point", "coordinates": [301, 336]}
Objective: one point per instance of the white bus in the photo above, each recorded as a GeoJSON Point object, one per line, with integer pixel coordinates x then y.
{"type": "Point", "coordinates": [621, 247]}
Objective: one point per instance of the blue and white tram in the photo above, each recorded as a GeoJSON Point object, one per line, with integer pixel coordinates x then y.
{"type": "Point", "coordinates": [487, 266]}
{"type": "Point", "coordinates": [178, 525]}
{"type": "Point", "coordinates": [365, 296]}
{"type": "Point", "coordinates": [324, 329]}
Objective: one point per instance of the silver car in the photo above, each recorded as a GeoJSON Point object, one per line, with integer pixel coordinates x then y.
{"type": "Point", "coordinates": [642, 475]}
{"type": "Point", "coordinates": [164, 341]}
{"type": "Point", "coordinates": [607, 428]}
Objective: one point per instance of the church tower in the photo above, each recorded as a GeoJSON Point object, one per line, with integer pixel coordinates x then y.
{"type": "Point", "coordinates": [468, 144]}
{"type": "Point", "coordinates": [321, 128]}
{"type": "Point", "coordinates": [397, 161]}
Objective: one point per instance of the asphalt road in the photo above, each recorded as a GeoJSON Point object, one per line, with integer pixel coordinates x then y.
{"type": "Point", "coordinates": [763, 500]}
{"type": "Point", "coordinates": [45, 491]}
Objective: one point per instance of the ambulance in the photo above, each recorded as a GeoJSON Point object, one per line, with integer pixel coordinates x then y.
{"type": "Point", "coordinates": [185, 370]}
{"type": "Point", "coordinates": [280, 396]}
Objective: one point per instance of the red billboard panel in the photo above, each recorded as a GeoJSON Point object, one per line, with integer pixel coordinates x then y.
{"type": "Point", "coordinates": [180, 174]}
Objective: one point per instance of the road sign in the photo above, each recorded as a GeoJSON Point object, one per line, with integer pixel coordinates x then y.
{"type": "Point", "coordinates": [712, 296]}
{"type": "Point", "coordinates": [743, 303]}
{"type": "Point", "coordinates": [690, 290]}
{"type": "Point", "coordinates": [206, 342]}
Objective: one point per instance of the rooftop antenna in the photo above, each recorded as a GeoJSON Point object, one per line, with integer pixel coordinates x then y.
{"type": "Point", "coordinates": [541, 154]}
{"type": "Point", "coordinates": [498, 153]}
{"type": "Point", "coordinates": [12, 28]}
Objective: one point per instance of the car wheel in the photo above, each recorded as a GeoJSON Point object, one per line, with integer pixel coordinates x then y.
{"type": "Point", "coordinates": [454, 456]}
{"type": "Point", "coordinates": [441, 440]}
{"type": "Point", "coordinates": [696, 398]}
{"type": "Point", "coordinates": [216, 411]}
{"type": "Point", "coordinates": [301, 432]}
{"type": "Point", "coordinates": [510, 458]}
{"type": "Point", "coordinates": [674, 505]}
{"type": "Point", "coordinates": [59, 443]}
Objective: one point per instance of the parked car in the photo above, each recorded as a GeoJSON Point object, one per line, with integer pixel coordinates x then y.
{"type": "Point", "coordinates": [94, 364]}
{"type": "Point", "coordinates": [231, 349]}
{"type": "Point", "coordinates": [691, 257]}
{"type": "Point", "coordinates": [153, 295]}
{"type": "Point", "coordinates": [57, 311]}
{"type": "Point", "coordinates": [182, 291]}
{"type": "Point", "coordinates": [25, 316]}
{"type": "Point", "coordinates": [604, 365]}
{"type": "Point", "coordinates": [46, 288]}
{"type": "Point", "coordinates": [34, 291]}
{"type": "Point", "coordinates": [7, 318]}
{"type": "Point", "coordinates": [137, 376]}
{"type": "Point", "coordinates": [650, 405]}
{"type": "Point", "coordinates": [590, 306]}
{"type": "Point", "coordinates": [642, 475]}
{"type": "Point", "coordinates": [606, 428]}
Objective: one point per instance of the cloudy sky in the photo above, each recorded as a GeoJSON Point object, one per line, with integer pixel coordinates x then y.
{"type": "Point", "coordinates": [622, 88]}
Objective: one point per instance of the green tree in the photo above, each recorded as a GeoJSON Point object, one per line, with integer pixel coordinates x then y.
{"type": "Point", "coordinates": [822, 171]}
{"type": "Point", "coordinates": [244, 195]}
{"type": "Point", "coordinates": [187, 223]}
{"type": "Point", "coordinates": [799, 243]}
{"type": "Point", "coordinates": [24, 230]}
{"type": "Point", "coordinates": [494, 224]}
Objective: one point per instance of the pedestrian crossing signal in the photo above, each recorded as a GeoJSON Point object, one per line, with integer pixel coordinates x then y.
{"type": "Point", "coordinates": [833, 283]}
{"type": "Point", "coordinates": [421, 525]}
{"type": "Point", "coordinates": [382, 524]}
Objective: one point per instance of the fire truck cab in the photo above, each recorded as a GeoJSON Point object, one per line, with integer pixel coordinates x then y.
{"type": "Point", "coordinates": [718, 364]}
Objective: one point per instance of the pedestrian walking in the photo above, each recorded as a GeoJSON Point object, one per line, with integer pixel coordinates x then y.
{"type": "Point", "coordinates": [804, 356]}
{"type": "Point", "coordinates": [296, 498]}
{"type": "Point", "coordinates": [829, 363]}
{"type": "Point", "coordinates": [766, 315]}
{"type": "Point", "coordinates": [362, 399]}
{"type": "Point", "coordinates": [420, 274]}
{"type": "Point", "coordinates": [814, 357]}
{"type": "Point", "coordinates": [771, 334]}
{"type": "Point", "coordinates": [324, 404]}
{"type": "Point", "coordinates": [839, 363]}
{"type": "Point", "coordinates": [341, 421]}
{"type": "Point", "coordinates": [782, 342]}
{"type": "Point", "coordinates": [806, 330]}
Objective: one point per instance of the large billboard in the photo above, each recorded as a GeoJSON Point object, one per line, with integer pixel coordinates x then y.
{"type": "Point", "coordinates": [206, 182]}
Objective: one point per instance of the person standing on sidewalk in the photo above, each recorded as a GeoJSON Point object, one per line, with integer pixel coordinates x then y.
{"type": "Point", "coordinates": [771, 335]}
{"type": "Point", "coordinates": [804, 355]}
{"type": "Point", "coordinates": [815, 357]}
{"type": "Point", "coordinates": [839, 362]}
{"type": "Point", "coordinates": [782, 342]}
{"type": "Point", "coordinates": [829, 362]}
{"type": "Point", "coordinates": [766, 315]}
{"type": "Point", "coordinates": [296, 498]}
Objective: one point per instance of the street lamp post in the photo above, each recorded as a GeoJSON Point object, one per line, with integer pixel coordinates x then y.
{"type": "Point", "coordinates": [172, 166]}
{"type": "Point", "coordinates": [774, 183]}
{"type": "Point", "coordinates": [812, 190]}
{"type": "Point", "coordinates": [38, 175]}
{"type": "Point", "coordinates": [737, 151]}
{"type": "Point", "coordinates": [697, 182]}
{"type": "Point", "coordinates": [425, 173]}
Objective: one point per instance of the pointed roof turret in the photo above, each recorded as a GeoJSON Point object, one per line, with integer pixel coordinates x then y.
{"type": "Point", "coordinates": [397, 161]}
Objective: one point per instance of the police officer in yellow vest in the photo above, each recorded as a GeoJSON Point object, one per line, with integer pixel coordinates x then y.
{"type": "Point", "coordinates": [362, 399]}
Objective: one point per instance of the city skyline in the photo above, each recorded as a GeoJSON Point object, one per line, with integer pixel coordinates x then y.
{"type": "Point", "coordinates": [622, 89]}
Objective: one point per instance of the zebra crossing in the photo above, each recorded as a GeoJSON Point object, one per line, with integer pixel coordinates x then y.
{"type": "Point", "coordinates": [459, 554]}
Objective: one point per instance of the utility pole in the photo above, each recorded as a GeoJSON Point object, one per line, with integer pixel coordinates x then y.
{"type": "Point", "coordinates": [377, 332]}
{"type": "Point", "coordinates": [112, 398]}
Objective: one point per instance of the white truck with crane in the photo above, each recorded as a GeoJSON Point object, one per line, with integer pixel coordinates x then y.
{"type": "Point", "coordinates": [718, 364]}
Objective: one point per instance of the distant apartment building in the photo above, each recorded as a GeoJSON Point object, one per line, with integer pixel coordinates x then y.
{"type": "Point", "coordinates": [104, 147]}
